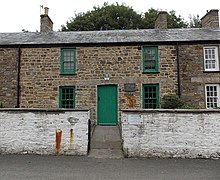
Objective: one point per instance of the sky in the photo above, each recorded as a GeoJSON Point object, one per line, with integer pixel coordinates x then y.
{"type": "Point", "coordinates": [16, 15]}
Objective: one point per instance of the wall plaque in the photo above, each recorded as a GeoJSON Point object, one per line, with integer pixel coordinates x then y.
{"type": "Point", "coordinates": [135, 119]}
{"type": "Point", "coordinates": [130, 87]}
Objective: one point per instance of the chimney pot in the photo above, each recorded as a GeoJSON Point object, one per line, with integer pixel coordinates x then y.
{"type": "Point", "coordinates": [46, 10]}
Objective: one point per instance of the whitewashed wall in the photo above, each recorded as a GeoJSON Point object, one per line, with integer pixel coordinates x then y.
{"type": "Point", "coordinates": [171, 133]}
{"type": "Point", "coordinates": [34, 131]}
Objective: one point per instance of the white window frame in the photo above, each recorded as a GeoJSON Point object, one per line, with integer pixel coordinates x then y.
{"type": "Point", "coordinates": [213, 96]}
{"type": "Point", "coordinates": [216, 58]}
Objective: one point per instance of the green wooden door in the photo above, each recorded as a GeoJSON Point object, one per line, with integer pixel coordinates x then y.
{"type": "Point", "coordinates": [107, 105]}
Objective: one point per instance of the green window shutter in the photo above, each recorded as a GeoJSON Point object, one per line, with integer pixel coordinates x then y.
{"type": "Point", "coordinates": [150, 59]}
{"type": "Point", "coordinates": [68, 61]}
{"type": "Point", "coordinates": [67, 97]}
{"type": "Point", "coordinates": [150, 96]}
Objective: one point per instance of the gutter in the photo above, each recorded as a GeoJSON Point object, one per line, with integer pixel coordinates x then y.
{"type": "Point", "coordinates": [89, 44]}
{"type": "Point", "coordinates": [178, 71]}
{"type": "Point", "coordinates": [18, 77]}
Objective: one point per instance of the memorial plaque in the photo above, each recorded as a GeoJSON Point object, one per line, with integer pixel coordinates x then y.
{"type": "Point", "coordinates": [130, 87]}
{"type": "Point", "coordinates": [135, 119]}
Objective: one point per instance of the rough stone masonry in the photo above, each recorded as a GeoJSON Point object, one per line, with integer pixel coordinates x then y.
{"type": "Point", "coordinates": [41, 78]}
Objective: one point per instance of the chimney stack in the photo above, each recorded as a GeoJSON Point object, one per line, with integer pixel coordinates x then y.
{"type": "Point", "coordinates": [161, 21]}
{"type": "Point", "coordinates": [211, 19]}
{"type": "Point", "coordinates": [46, 24]}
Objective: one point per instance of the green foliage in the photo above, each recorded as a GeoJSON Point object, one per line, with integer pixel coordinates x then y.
{"type": "Point", "coordinates": [188, 106]}
{"type": "Point", "coordinates": [110, 17]}
{"type": "Point", "coordinates": [171, 101]}
{"type": "Point", "coordinates": [150, 18]}
{"type": "Point", "coordinates": [175, 21]}
{"type": "Point", "coordinates": [1, 105]}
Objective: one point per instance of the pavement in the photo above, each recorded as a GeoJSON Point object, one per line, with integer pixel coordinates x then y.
{"type": "Point", "coordinates": [106, 143]}
{"type": "Point", "coordinates": [36, 167]}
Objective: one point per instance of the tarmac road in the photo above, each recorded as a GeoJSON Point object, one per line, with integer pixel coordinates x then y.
{"type": "Point", "coordinates": [35, 167]}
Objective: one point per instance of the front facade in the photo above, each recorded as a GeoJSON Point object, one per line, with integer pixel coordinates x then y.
{"type": "Point", "coordinates": [110, 70]}
{"type": "Point", "coordinates": [200, 75]}
{"type": "Point", "coordinates": [103, 79]}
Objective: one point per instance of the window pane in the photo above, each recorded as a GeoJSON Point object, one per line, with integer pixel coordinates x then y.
{"type": "Point", "coordinates": [210, 58]}
{"type": "Point", "coordinates": [212, 100]}
{"type": "Point", "coordinates": [150, 58]}
{"type": "Point", "coordinates": [150, 96]}
{"type": "Point", "coordinates": [150, 64]}
{"type": "Point", "coordinates": [68, 60]}
{"type": "Point", "coordinates": [67, 97]}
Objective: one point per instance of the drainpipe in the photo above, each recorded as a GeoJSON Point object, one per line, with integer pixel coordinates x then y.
{"type": "Point", "coordinates": [18, 77]}
{"type": "Point", "coordinates": [178, 70]}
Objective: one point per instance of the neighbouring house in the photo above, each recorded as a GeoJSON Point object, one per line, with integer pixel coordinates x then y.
{"type": "Point", "coordinates": [106, 71]}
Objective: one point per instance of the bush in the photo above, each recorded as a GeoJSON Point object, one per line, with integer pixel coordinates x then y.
{"type": "Point", "coordinates": [171, 101]}
{"type": "Point", "coordinates": [1, 105]}
{"type": "Point", "coordinates": [188, 106]}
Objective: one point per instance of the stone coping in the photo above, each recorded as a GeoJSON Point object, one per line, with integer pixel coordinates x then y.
{"type": "Point", "coordinates": [57, 110]}
{"type": "Point", "coordinates": [171, 110]}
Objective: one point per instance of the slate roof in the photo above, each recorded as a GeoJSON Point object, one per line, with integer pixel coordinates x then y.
{"type": "Point", "coordinates": [111, 36]}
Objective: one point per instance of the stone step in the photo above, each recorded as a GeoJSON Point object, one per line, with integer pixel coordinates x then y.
{"type": "Point", "coordinates": [106, 142]}
{"type": "Point", "coordinates": [106, 153]}
{"type": "Point", "coordinates": [106, 133]}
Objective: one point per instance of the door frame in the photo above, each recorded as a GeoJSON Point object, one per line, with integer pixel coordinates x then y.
{"type": "Point", "coordinates": [98, 102]}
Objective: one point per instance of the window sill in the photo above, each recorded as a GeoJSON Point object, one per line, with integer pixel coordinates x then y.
{"type": "Point", "coordinates": [211, 71]}
{"type": "Point", "coordinates": [66, 74]}
{"type": "Point", "coordinates": [153, 72]}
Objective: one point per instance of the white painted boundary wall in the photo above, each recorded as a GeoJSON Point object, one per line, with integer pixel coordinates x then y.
{"type": "Point", "coordinates": [171, 133]}
{"type": "Point", "coordinates": [37, 131]}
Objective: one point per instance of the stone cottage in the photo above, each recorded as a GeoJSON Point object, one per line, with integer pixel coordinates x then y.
{"type": "Point", "coordinates": [106, 71]}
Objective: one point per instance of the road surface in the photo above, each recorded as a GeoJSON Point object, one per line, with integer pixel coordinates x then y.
{"type": "Point", "coordinates": [36, 167]}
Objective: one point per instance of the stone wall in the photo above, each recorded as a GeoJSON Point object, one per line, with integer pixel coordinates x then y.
{"type": "Point", "coordinates": [211, 19]}
{"type": "Point", "coordinates": [41, 78]}
{"type": "Point", "coordinates": [46, 24]}
{"type": "Point", "coordinates": [171, 133]}
{"type": "Point", "coordinates": [8, 74]}
{"type": "Point", "coordinates": [193, 76]}
{"type": "Point", "coordinates": [161, 20]}
{"type": "Point", "coordinates": [43, 131]}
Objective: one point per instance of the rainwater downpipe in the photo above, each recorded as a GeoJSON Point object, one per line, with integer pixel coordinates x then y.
{"type": "Point", "coordinates": [178, 71]}
{"type": "Point", "coordinates": [18, 77]}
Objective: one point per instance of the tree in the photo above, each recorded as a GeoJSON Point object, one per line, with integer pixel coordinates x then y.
{"type": "Point", "coordinates": [109, 17]}
{"type": "Point", "coordinates": [194, 21]}
{"type": "Point", "coordinates": [150, 18]}
{"type": "Point", "coordinates": [173, 21]}
{"type": "Point", "coordinates": [105, 18]}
